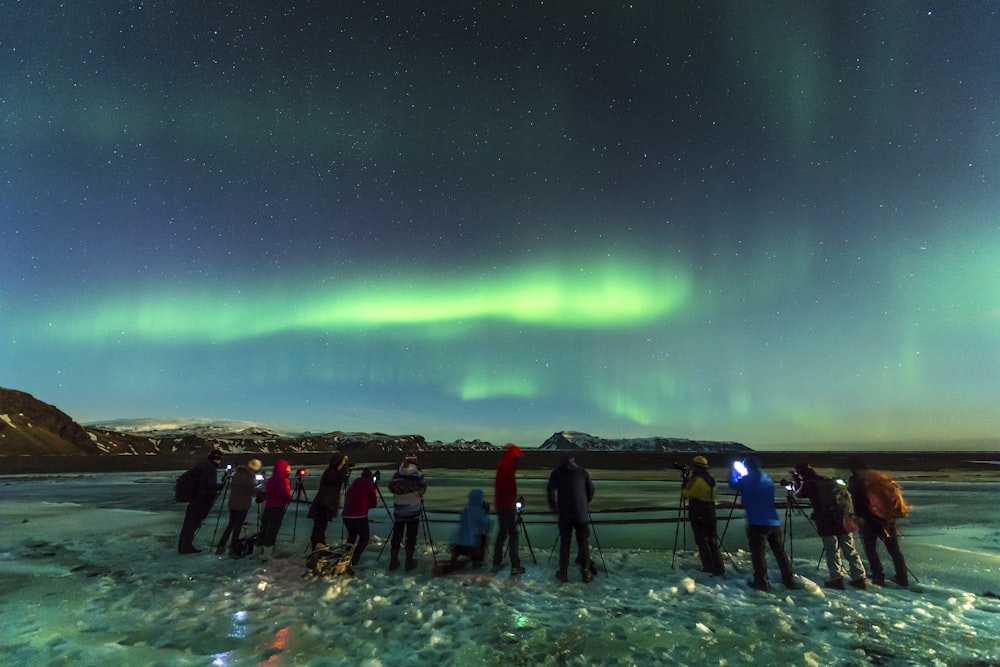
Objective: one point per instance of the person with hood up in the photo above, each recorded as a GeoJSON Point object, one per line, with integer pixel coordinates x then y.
{"type": "Point", "coordinates": [757, 490]}
{"type": "Point", "coordinates": [569, 492]}
{"type": "Point", "coordinates": [699, 490]}
{"type": "Point", "coordinates": [505, 502]}
{"type": "Point", "coordinates": [878, 523]}
{"type": "Point", "coordinates": [278, 495]}
{"type": "Point", "coordinates": [408, 487]}
{"type": "Point", "coordinates": [359, 499]}
{"type": "Point", "coordinates": [326, 503]}
{"type": "Point", "coordinates": [834, 531]}
{"type": "Point", "coordinates": [206, 487]}
{"type": "Point", "coordinates": [243, 489]}
{"type": "Point", "coordinates": [474, 524]}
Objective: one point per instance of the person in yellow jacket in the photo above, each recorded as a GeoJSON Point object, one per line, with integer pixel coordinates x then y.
{"type": "Point", "coordinates": [699, 490]}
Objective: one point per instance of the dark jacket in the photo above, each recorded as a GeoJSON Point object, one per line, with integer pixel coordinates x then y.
{"type": "Point", "coordinates": [570, 491]}
{"type": "Point", "coordinates": [207, 485]}
{"type": "Point", "coordinates": [326, 502]}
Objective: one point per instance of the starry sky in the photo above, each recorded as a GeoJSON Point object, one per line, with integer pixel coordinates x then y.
{"type": "Point", "coordinates": [770, 222]}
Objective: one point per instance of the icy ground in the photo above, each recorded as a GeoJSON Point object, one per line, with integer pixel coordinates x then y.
{"type": "Point", "coordinates": [89, 576]}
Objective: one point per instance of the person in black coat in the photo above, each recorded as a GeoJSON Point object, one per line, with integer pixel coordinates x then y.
{"type": "Point", "coordinates": [326, 502]}
{"type": "Point", "coordinates": [206, 488]}
{"type": "Point", "coordinates": [570, 491]}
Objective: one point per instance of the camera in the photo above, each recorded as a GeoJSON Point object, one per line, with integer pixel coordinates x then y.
{"type": "Point", "coordinates": [789, 486]}
{"type": "Point", "coordinates": [685, 469]}
{"type": "Point", "coordinates": [375, 476]}
{"type": "Point", "coordinates": [302, 472]}
{"type": "Point", "coordinates": [519, 505]}
{"type": "Point", "coordinates": [259, 477]}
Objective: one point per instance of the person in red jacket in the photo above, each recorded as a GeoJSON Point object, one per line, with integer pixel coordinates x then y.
{"type": "Point", "coordinates": [278, 495]}
{"type": "Point", "coordinates": [505, 502]}
{"type": "Point", "coordinates": [359, 499]}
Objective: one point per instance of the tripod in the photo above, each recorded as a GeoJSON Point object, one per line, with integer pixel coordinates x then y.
{"type": "Point", "coordinates": [424, 522]}
{"type": "Point", "coordinates": [225, 489]}
{"type": "Point", "coordinates": [681, 517]}
{"type": "Point", "coordinates": [791, 504]}
{"type": "Point", "coordinates": [519, 523]}
{"type": "Point", "coordinates": [297, 498]}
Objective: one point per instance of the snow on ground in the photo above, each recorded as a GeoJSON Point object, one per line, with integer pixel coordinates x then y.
{"type": "Point", "coordinates": [89, 576]}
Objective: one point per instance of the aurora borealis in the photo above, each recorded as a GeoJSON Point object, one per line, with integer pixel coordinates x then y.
{"type": "Point", "coordinates": [776, 223]}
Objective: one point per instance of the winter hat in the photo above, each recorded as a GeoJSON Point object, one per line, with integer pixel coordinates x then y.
{"type": "Point", "coordinates": [253, 465]}
{"type": "Point", "coordinates": [216, 454]}
{"type": "Point", "coordinates": [411, 457]}
{"type": "Point", "coordinates": [700, 461]}
{"type": "Point", "coordinates": [803, 468]}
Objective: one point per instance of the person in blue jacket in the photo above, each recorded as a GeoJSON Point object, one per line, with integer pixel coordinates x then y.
{"type": "Point", "coordinates": [474, 524]}
{"type": "Point", "coordinates": [757, 491]}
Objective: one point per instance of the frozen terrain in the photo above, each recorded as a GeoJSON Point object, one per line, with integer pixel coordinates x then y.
{"type": "Point", "coordinates": [89, 576]}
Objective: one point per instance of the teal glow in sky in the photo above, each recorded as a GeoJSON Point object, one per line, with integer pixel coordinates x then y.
{"type": "Point", "coordinates": [775, 224]}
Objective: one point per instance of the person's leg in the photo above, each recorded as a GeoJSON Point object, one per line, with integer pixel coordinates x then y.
{"type": "Point", "coordinates": [898, 562]}
{"type": "Point", "coordinates": [513, 542]}
{"type": "Point", "coordinates": [364, 534]}
{"type": "Point", "coordinates": [755, 540]}
{"type": "Point", "coordinates": [869, 542]}
{"type": "Point", "coordinates": [320, 521]}
{"type": "Point", "coordinates": [715, 552]}
{"type": "Point", "coordinates": [503, 530]}
{"type": "Point", "coordinates": [565, 530]}
{"type": "Point", "coordinates": [236, 518]}
{"type": "Point", "coordinates": [831, 550]}
{"type": "Point", "coordinates": [412, 527]}
{"type": "Point", "coordinates": [398, 527]}
{"type": "Point", "coordinates": [775, 541]}
{"type": "Point", "coordinates": [853, 558]}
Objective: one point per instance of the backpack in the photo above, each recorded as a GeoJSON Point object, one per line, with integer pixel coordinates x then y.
{"type": "Point", "coordinates": [885, 498]}
{"type": "Point", "coordinates": [835, 501]}
{"type": "Point", "coordinates": [327, 561]}
{"type": "Point", "coordinates": [185, 486]}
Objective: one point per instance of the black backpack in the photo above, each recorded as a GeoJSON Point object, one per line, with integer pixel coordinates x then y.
{"type": "Point", "coordinates": [185, 486]}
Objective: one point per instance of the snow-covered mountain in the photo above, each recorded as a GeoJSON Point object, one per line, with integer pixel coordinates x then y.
{"type": "Point", "coordinates": [577, 441]}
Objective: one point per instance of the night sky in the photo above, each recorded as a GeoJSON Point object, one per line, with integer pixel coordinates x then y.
{"type": "Point", "coordinates": [777, 223]}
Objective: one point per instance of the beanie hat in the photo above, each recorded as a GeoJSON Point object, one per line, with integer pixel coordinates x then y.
{"type": "Point", "coordinates": [253, 465]}
{"type": "Point", "coordinates": [700, 461]}
{"type": "Point", "coordinates": [411, 457]}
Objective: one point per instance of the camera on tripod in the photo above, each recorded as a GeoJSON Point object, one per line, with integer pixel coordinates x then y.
{"type": "Point", "coordinates": [302, 472]}
{"type": "Point", "coordinates": [684, 468]}
{"type": "Point", "coordinates": [519, 505]}
{"type": "Point", "coordinates": [375, 476]}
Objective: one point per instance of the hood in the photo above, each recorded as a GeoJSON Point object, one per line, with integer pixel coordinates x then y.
{"type": "Point", "coordinates": [511, 454]}
{"type": "Point", "coordinates": [281, 468]}
{"type": "Point", "coordinates": [408, 468]}
{"type": "Point", "coordinates": [569, 463]}
{"type": "Point", "coordinates": [476, 498]}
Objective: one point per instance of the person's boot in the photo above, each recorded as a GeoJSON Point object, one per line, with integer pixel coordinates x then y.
{"type": "Point", "coordinates": [220, 550]}
{"type": "Point", "coordinates": [394, 561]}
{"type": "Point", "coordinates": [410, 562]}
{"type": "Point", "coordinates": [836, 584]}
{"type": "Point", "coordinates": [561, 576]}
{"type": "Point", "coordinates": [265, 553]}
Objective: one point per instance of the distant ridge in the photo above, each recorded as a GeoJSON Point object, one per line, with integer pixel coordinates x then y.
{"type": "Point", "coordinates": [30, 427]}
{"type": "Point", "coordinates": [577, 441]}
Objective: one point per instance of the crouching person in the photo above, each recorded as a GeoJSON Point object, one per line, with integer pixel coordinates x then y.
{"type": "Point", "coordinates": [474, 524]}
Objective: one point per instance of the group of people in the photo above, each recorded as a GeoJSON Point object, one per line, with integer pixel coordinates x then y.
{"type": "Point", "coordinates": [569, 493]}
{"type": "Point", "coordinates": [837, 514]}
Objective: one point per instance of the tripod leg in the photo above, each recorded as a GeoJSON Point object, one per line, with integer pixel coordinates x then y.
{"type": "Point", "coordinates": [527, 540]}
{"type": "Point", "coordinates": [600, 552]}
{"type": "Point", "coordinates": [427, 531]}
